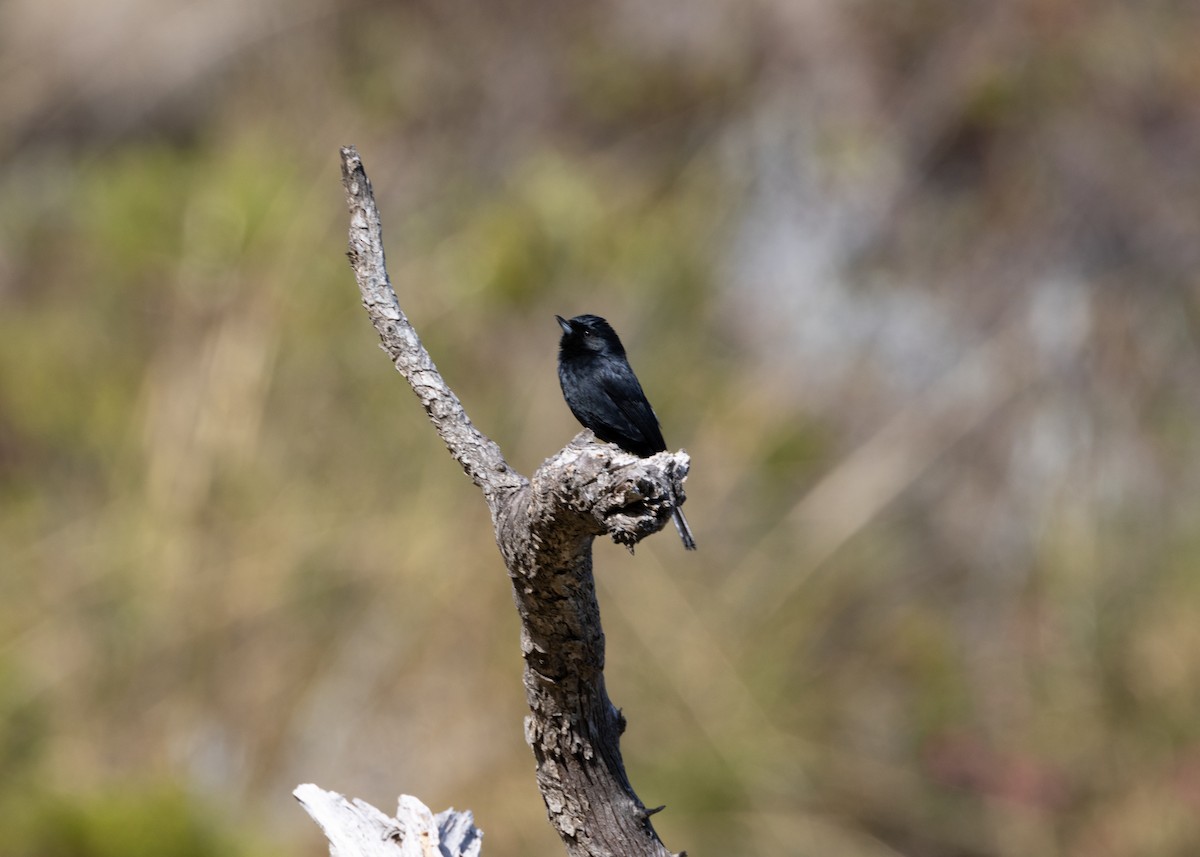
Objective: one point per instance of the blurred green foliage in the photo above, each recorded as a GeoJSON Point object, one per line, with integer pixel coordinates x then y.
{"type": "Point", "coordinates": [129, 822]}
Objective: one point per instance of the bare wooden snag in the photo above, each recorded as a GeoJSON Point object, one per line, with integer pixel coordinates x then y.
{"type": "Point", "coordinates": [357, 829]}
{"type": "Point", "coordinates": [544, 527]}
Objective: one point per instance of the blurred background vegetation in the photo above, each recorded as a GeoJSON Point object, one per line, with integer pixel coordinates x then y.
{"type": "Point", "coordinates": [914, 283]}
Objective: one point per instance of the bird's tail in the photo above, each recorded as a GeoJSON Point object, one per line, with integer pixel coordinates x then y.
{"type": "Point", "coordinates": [685, 532]}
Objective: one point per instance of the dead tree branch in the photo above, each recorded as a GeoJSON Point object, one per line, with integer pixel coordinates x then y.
{"type": "Point", "coordinates": [544, 528]}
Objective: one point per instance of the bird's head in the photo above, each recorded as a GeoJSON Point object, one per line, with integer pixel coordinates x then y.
{"type": "Point", "coordinates": [588, 333]}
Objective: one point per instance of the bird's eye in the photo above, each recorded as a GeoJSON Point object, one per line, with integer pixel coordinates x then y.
{"type": "Point", "coordinates": [586, 332]}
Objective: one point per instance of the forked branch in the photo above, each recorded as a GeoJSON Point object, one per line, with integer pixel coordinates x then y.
{"type": "Point", "coordinates": [544, 528]}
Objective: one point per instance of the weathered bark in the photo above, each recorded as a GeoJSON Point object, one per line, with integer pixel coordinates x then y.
{"type": "Point", "coordinates": [479, 456]}
{"type": "Point", "coordinates": [544, 528]}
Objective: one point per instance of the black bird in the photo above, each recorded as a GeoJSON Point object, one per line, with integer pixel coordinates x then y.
{"type": "Point", "coordinates": [605, 396]}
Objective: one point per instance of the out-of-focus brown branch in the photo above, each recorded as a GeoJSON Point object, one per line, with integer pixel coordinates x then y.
{"type": "Point", "coordinates": [544, 528]}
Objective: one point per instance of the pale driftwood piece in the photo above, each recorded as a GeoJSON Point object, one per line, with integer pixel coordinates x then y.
{"type": "Point", "coordinates": [357, 829]}
{"type": "Point", "coordinates": [544, 528]}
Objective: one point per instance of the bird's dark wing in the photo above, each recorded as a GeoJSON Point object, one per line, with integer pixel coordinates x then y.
{"type": "Point", "coordinates": [633, 418]}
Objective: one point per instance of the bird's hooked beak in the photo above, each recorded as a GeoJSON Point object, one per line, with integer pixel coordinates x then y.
{"type": "Point", "coordinates": [563, 323]}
